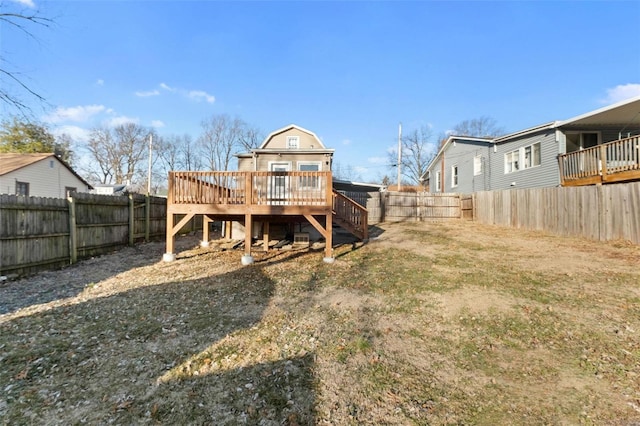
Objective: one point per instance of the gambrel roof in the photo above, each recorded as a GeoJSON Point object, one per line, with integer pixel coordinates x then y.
{"type": "Point", "coordinates": [289, 127]}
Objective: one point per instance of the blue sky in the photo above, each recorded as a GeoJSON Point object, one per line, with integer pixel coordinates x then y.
{"type": "Point", "coordinates": [350, 71]}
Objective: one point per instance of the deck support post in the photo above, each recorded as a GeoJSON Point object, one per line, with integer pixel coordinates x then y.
{"type": "Point", "coordinates": [328, 249]}
{"type": "Point", "coordinates": [247, 259]}
{"type": "Point", "coordinates": [206, 225]}
{"type": "Point", "coordinates": [265, 236]}
{"type": "Point", "coordinates": [227, 229]}
{"type": "Point", "coordinates": [169, 255]}
{"type": "Point", "coordinates": [172, 230]}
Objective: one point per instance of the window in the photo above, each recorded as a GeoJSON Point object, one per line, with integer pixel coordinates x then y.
{"type": "Point", "coordinates": [22, 188]}
{"type": "Point", "coordinates": [309, 181]}
{"type": "Point", "coordinates": [477, 165]}
{"type": "Point", "coordinates": [454, 176]}
{"type": "Point", "coordinates": [438, 182]}
{"type": "Point", "coordinates": [511, 161]}
{"type": "Point", "coordinates": [69, 189]}
{"type": "Point", "coordinates": [531, 156]}
{"type": "Point", "coordinates": [293, 142]}
{"type": "Point", "coordinates": [522, 158]}
{"type": "Point", "coordinates": [51, 164]}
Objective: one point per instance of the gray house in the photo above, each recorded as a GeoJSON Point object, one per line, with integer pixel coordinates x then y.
{"type": "Point", "coordinates": [601, 146]}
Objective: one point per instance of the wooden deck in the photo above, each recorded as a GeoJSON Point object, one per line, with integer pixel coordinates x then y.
{"type": "Point", "coordinates": [617, 161]}
{"type": "Point", "coordinates": [261, 196]}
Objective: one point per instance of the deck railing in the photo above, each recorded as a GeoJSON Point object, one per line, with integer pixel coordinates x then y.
{"type": "Point", "coordinates": [350, 214]}
{"type": "Point", "coordinates": [610, 162]}
{"type": "Point", "coordinates": [261, 188]}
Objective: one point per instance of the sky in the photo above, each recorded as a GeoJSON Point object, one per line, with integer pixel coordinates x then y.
{"type": "Point", "coordinates": [349, 71]}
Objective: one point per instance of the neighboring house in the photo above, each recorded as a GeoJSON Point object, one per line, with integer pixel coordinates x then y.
{"type": "Point", "coordinates": [601, 146]}
{"type": "Point", "coordinates": [38, 175]}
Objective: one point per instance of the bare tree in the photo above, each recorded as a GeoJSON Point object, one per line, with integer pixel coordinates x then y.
{"type": "Point", "coordinates": [23, 21]}
{"type": "Point", "coordinates": [118, 153]}
{"type": "Point", "coordinates": [417, 151]}
{"type": "Point", "coordinates": [101, 146]}
{"type": "Point", "coordinates": [250, 137]}
{"type": "Point", "coordinates": [221, 137]}
{"type": "Point", "coordinates": [345, 172]}
{"type": "Point", "coordinates": [482, 127]}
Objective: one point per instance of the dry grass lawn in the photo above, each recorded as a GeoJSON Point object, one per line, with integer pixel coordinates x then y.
{"type": "Point", "coordinates": [445, 323]}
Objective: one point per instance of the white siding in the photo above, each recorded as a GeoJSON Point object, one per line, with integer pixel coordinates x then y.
{"type": "Point", "coordinates": [44, 180]}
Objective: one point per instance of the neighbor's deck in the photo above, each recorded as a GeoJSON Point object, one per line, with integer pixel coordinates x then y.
{"type": "Point", "coordinates": [617, 161]}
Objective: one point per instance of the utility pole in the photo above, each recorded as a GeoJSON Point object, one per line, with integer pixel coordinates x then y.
{"type": "Point", "coordinates": [149, 171]}
{"type": "Point", "coordinates": [399, 153]}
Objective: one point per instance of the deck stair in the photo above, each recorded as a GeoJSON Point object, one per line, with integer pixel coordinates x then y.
{"type": "Point", "coordinates": [350, 215]}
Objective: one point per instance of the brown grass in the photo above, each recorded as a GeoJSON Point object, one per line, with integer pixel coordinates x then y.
{"type": "Point", "coordinates": [449, 323]}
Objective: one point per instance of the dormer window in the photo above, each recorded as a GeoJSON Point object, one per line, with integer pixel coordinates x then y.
{"type": "Point", "coordinates": [293, 142]}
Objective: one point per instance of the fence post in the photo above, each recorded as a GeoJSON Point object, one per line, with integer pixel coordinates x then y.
{"type": "Point", "coordinates": [132, 219]}
{"type": "Point", "coordinates": [73, 239]}
{"type": "Point", "coordinates": [147, 218]}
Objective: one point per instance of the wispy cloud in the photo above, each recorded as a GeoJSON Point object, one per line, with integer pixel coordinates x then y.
{"type": "Point", "coordinates": [100, 82]}
{"type": "Point", "coordinates": [195, 95]}
{"type": "Point", "coordinates": [346, 142]}
{"type": "Point", "coordinates": [167, 88]}
{"type": "Point", "coordinates": [78, 114]}
{"type": "Point", "coordinates": [199, 95]}
{"type": "Point", "coordinates": [121, 119]}
{"type": "Point", "coordinates": [28, 3]}
{"type": "Point", "coordinates": [147, 93]}
{"type": "Point", "coordinates": [621, 92]}
{"type": "Point", "coordinates": [75, 132]}
{"type": "Point", "coordinates": [157, 124]}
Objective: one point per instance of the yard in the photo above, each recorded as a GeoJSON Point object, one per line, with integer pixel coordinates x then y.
{"type": "Point", "coordinates": [429, 323]}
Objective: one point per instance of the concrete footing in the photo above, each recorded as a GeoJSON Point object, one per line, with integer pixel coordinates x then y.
{"type": "Point", "coordinates": [247, 259]}
{"type": "Point", "coordinates": [204, 244]}
{"type": "Point", "coordinates": [169, 257]}
{"type": "Point", "coordinates": [328, 259]}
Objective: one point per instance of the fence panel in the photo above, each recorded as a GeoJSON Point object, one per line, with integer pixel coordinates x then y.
{"type": "Point", "coordinates": [36, 233]}
{"type": "Point", "coordinates": [600, 212]}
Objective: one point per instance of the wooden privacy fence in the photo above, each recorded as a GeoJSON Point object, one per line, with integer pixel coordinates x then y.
{"type": "Point", "coordinates": [601, 212]}
{"type": "Point", "coordinates": [411, 206]}
{"type": "Point", "coordinates": [46, 233]}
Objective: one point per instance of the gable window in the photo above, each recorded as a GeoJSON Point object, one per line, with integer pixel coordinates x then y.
{"type": "Point", "coordinates": [51, 164]}
{"type": "Point", "coordinates": [477, 165]}
{"type": "Point", "coordinates": [309, 181]}
{"type": "Point", "coordinates": [22, 188]}
{"type": "Point", "coordinates": [522, 158]}
{"type": "Point", "coordinates": [293, 142]}
{"type": "Point", "coordinates": [438, 182]}
{"type": "Point", "coordinates": [454, 176]}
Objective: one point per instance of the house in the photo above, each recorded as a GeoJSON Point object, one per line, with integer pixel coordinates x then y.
{"type": "Point", "coordinates": [286, 180]}
{"type": "Point", "coordinates": [38, 175]}
{"type": "Point", "coordinates": [601, 146]}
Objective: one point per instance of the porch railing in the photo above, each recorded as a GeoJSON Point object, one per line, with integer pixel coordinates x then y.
{"type": "Point", "coordinates": [266, 188]}
{"type": "Point", "coordinates": [610, 162]}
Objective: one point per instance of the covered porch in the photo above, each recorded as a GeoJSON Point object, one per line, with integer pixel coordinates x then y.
{"type": "Point", "coordinates": [611, 162]}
